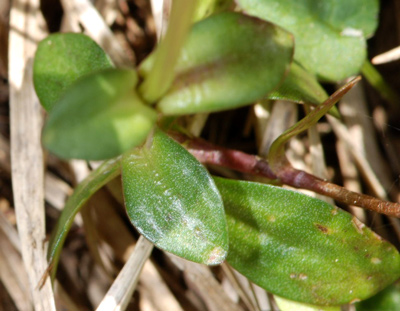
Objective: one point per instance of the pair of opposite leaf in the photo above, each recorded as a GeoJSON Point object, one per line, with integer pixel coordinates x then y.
{"type": "Point", "coordinates": [101, 116]}
{"type": "Point", "coordinates": [218, 69]}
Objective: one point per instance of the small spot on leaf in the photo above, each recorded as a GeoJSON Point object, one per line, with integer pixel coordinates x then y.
{"type": "Point", "coordinates": [351, 32]}
{"type": "Point", "coordinates": [322, 228]}
{"type": "Point", "coordinates": [302, 276]}
{"type": "Point", "coordinates": [217, 255]}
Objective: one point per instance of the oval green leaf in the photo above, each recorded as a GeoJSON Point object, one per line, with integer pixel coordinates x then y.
{"type": "Point", "coordinates": [172, 200]}
{"type": "Point", "coordinates": [330, 34]}
{"type": "Point", "coordinates": [229, 60]}
{"type": "Point", "coordinates": [60, 60]}
{"type": "Point", "coordinates": [99, 117]}
{"type": "Point", "coordinates": [97, 179]}
{"type": "Point", "coordinates": [302, 248]}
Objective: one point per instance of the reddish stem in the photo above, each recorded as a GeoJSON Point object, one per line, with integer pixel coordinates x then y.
{"type": "Point", "coordinates": [300, 179]}
{"type": "Point", "coordinates": [208, 153]}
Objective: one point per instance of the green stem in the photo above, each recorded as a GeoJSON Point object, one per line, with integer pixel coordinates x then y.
{"type": "Point", "coordinates": [376, 80]}
{"type": "Point", "coordinates": [161, 74]}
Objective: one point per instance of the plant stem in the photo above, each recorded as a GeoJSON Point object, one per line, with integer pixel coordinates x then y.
{"type": "Point", "coordinates": [162, 74]}
{"type": "Point", "coordinates": [302, 180]}
{"type": "Point", "coordinates": [208, 153]}
{"type": "Point", "coordinates": [376, 80]}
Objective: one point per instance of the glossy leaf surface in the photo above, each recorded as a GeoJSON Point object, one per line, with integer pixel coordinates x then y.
{"type": "Point", "coordinates": [229, 60]}
{"type": "Point", "coordinates": [97, 179]}
{"type": "Point", "coordinates": [171, 199]}
{"type": "Point", "coordinates": [303, 249]}
{"type": "Point", "coordinates": [330, 34]}
{"type": "Point", "coordinates": [99, 117]}
{"type": "Point", "coordinates": [60, 60]}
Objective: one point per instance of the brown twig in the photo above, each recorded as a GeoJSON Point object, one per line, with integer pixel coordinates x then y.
{"type": "Point", "coordinates": [208, 153]}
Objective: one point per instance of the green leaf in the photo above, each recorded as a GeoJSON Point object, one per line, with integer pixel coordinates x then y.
{"type": "Point", "coordinates": [303, 249]}
{"type": "Point", "coordinates": [97, 179]}
{"type": "Point", "coordinates": [172, 200]}
{"type": "Point", "coordinates": [60, 60]}
{"type": "Point", "coordinates": [229, 60]}
{"type": "Point", "coordinates": [330, 34]}
{"type": "Point", "coordinates": [99, 117]}
{"type": "Point", "coordinates": [386, 300]}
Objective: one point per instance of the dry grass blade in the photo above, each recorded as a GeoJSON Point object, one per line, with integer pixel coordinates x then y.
{"type": "Point", "coordinates": [363, 164]}
{"type": "Point", "coordinates": [200, 279]}
{"type": "Point", "coordinates": [350, 177]}
{"type": "Point", "coordinates": [283, 115]}
{"type": "Point", "coordinates": [238, 286]}
{"type": "Point", "coordinates": [13, 275]}
{"type": "Point", "coordinates": [124, 285]}
{"type": "Point", "coordinates": [354, 110]}
{"type": "Point", "coordinates": [160, 10]}
{"type": "Point", "coordinates": [157, 291]}
{"type": "Point", "coordinates": [389, 56]}
{"type": "Point", "coordinates": [56, 191]}
{"type": "Point", "coordinates": [26, 151]}
{"type": "Point", "coordinates": [318, 165]}
{"type": "Point", "coordinates": [7, 228]}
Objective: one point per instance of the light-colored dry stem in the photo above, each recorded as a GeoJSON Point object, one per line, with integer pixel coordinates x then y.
{"type": "Point", "coordinates": [120, 293]}
{"type": "Point", "coordinates": [26, 29]}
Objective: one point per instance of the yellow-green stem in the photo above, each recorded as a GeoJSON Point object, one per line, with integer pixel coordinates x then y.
{"type": "Point", "coordinates": [162, 74]}
{"type": "Point", "coordinates": [376, 80]}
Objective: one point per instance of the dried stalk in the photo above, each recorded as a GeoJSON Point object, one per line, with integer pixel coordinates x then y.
{"type": "Point", "coordinates": [26, 29]}
{"type": "Point", "coordinates": [120, 293]}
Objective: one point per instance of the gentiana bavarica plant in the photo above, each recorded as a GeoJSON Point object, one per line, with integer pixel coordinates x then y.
{"type": "Point", "coordinates": [294, 246]}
